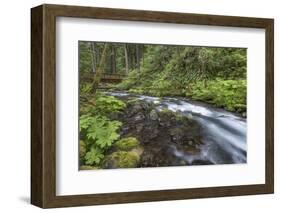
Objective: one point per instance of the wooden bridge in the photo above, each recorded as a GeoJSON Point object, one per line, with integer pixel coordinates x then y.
{"type": "Point", "coordinates": [105, 78]}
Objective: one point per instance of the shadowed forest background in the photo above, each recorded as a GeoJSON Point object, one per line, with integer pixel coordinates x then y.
{"type": "Point", "coordinates": [118, 79]}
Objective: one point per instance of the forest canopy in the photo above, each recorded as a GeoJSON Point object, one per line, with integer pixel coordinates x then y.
{"type": "Point", "coordinates": [213, 75]}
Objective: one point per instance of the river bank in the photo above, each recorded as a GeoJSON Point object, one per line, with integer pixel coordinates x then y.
{"type": "Point", "coordinates": [175, 132]}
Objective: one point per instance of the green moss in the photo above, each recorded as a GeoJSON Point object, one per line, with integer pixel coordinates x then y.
{"type": "Point", "coordinates": [165, 110]}
{"type": "Point", "coordinates": [127, 144]}
{"type": "Point", "coordinates": [179, 116]}
{"type": "Point", "coordinates": [84, 167]}
{"type": "Point", "coordinates": [167, 113]}
{"type": "Point", "coordinates": [133, 101]}
{"type": "Point", "coordinates": [123, 159]}
{"type": "Point", "coordinates": [82, 149]}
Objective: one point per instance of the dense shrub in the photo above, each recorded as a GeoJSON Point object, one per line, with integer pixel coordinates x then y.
{"type": "Point", "coordinates": [230, 94]}
{"type": "Point", "coordinates": [97, 131]}
{"type": "Point", "coordinates": [99, 134]}
{"type": "Point", "coordinates": [213, 75]}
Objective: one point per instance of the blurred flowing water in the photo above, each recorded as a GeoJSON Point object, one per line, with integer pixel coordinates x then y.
{"type": "Point", "coordinates": [223, 132]}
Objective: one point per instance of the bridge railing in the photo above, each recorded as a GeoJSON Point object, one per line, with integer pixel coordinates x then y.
{"type": "Point", "coordinates": [113, 76]}
{"type": "Point", "coordinates": [88, 76]}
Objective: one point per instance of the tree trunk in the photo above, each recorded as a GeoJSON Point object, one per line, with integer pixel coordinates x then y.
{"type": "Point", "coordinates": [138, 57]}
{"type": "Point", "coordinates": [99, 70]}
{"type": "Point", "coordinates": [142, 55]}
{"type": "Point", "coordinates": [132, 56]}
{"type": "Point", "coordinates": [113, 59]}
{"type": "Point", "coordinates": [93, 58]}
{"type": "Point", "coordinates": [126, 58]}
{"type": "Point", "coordinates": [97, 54]}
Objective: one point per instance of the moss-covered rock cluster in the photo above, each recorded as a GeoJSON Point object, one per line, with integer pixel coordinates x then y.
{"type": "Point", "coordinates": [143, 138]}
{"type": "Point", "coordinates": [126, 144]}
{"type": "Point", "coordinates": [122, 159]}
{"type": "Point", "coordinates": [126, 154]}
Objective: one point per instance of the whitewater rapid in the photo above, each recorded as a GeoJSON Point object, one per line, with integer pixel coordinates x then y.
{"type": "Point", "coordinates": [223, 132]}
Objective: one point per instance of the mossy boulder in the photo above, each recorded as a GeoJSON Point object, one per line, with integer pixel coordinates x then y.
{"type": "Point", "coordinates": [122, 159]}
{"type": "Point", "coordinates": [82, 150]}
{"type": "Point", "coordinates": [85, 167]}
{"type": "Point", "coordinates": [133, 101]}
{"type": "Point", "coordinates": [126, 144]}
{"type": "Point", "coordinates": [153, 115]}
{"type": "Point", "coordinates": [165, 110]}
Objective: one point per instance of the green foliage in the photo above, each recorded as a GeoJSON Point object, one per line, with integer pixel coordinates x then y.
{"type": "Point", "coordinates": [99, 130]}
{"type": "Point", "coordinates": [213, 75]}
{"type": "Point", "coordinates": [85, 63]}
{"type": "Point", "coordinates": [130, 82]}
{"type": "Point", "coordinates": [94, 156]}
{"type": "Point", "coordinates": [230, 94]}
{"type": "Point", "coordinates": [177, 64]}
{"type": "Point", "coordinates": [160, 87]}
{"type": "Point", "coordinates": [127, 144]}
{"type": "Point", "coordinates": [139, 91]}
{"type": "Point", "coordinates": [103, 105]}
{"type": "Point", "coordinates": [90, 54]}
{"type": "Point", "coordinates": [85, 88]}
{"type": "Point", "coordinates": [108, 104]}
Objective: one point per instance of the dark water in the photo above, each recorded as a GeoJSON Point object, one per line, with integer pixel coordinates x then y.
{"type": "Point", "coordinates": [223, 132]}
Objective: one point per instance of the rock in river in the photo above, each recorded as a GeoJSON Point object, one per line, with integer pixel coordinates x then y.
{"type": "Point", "coordinates": [158, 132]}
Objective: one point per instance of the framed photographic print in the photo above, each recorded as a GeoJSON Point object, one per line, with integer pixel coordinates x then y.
{"type": "Point", "coordinates": [135, 106]}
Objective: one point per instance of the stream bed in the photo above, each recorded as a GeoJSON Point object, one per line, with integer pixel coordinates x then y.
{"type": "Point", "coordinates": [178, 131]}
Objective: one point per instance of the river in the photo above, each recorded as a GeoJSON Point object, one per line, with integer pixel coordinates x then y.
{"type": "Point", "coordinates": [223, 133]}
